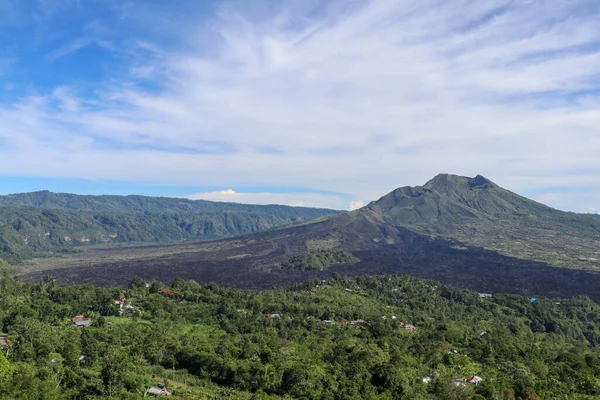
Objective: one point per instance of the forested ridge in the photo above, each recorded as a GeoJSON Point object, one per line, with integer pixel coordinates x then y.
{"type": "Point", "coordinates": [387, 337]}
{"type": "Point", "coordinates": [41, 223]}
{"type": "Point", "coordinates": [147, 204]}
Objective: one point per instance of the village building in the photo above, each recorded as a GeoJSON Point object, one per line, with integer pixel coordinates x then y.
{"type": "Point", "coordinates": [119, 304]}
{"type": "Point", "coordinates": [475, 380]}
{"type": "Point", "coordinates": [168, 292]}
{"type": "Point", "coordinates": [484, 295]}
{"type": "Point", "coordinates": [409, 327]}
{"type": "Point", "coordinates": [157, 392]}
{"type": "Point", "coordinates": [357, 322]}
{"type": "Point", "coordinates": [271, 316]}
{"type": "Point", "coordinates": [80, 321]}
{"type": "Point", "coordinates": [4, 342]}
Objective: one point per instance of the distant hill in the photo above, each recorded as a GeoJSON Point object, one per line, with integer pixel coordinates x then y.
{"type": "Point", "coordinates": [463, 231]}
{"type": "Point", "coordinates": [39, 223]}
{"type": "Point", "coordinates": [146, 204]}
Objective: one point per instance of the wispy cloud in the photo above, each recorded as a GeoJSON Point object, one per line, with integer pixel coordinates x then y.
{"type": "Point", "coordinates": [352, 97]}
{"type": "Point", "coordinates": [291, 199]}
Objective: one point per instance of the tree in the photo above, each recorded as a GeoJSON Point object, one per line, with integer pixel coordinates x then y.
{"type": "Point", "coordinates": [70, 348]}
{"type": "Point", "coordinates": [179, 284]}
{"type": "Point", "coordinates": [113, 367]}
{"type": "Point", "coordinates": [6, 370]}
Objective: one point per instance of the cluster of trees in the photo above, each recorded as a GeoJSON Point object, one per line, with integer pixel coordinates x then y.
{"type": "Point", "coordinates": [318, 259]}
{"type": "Point", "coordinates": [207, 341]}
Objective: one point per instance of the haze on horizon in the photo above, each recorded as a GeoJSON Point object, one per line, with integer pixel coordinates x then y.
{"type": "Point", "coordinates": [327, 104]}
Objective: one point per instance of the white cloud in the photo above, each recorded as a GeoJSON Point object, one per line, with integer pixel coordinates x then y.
{"type": "Point", "coordinates": [356, 204]}
{"type": "Point", "coordinates": [290, 199]}
{"type": "Point", "coordinates": [357, 98]}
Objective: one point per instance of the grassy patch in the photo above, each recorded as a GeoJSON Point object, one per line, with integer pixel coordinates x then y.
{"type": "Point", "coordinates": [323, 244]}
{"type": "Point", "coordinates": [318, 260]}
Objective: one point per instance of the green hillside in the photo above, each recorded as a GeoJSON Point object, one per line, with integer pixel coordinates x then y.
{"type": "Point", "coordinates": [145, 204]}
{"type": "Point", "coordinates": [478, 212]}
{"type": "Point", "coordinates": [40, 223]}
{"type": "Point", "coordinates": [380, 338]}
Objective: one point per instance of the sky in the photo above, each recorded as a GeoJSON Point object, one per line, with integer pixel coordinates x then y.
{"type": "Point", "coordinates": [300, 102]}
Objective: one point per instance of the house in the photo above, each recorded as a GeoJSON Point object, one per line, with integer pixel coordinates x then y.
{"type": "Point", "coordinates": [271, 316]}
{"type": "Point", "coordinates": [344, 321]}
{"type": "Point", "coordinates": [484, 295]}
{"type": "Point", "coordinates": [119, 304]}
{"type": "Point", "coordinates": [80, 321]}
{"type": "Point", "coordinates": [357, 322]}
{"type": "Point", "coordinates": [483, 333]}
{"type": "Point", "coordinates": [475, 380]}
{"type": "Point", "coordinates": [408, 326]}
{"type": "Point", "coordinates": [168, 292]}
{"type": "Point", "coordinates": [156, 392]}
{"type": "Point", "coordinates": [4, 341]}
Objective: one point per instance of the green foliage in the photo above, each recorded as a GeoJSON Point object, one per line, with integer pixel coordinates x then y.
{"type": "Point", "coordinates": [213, 342]}
{"type": "Point", "coordinates": [318, 260]}
{"type": "Point", "coordinates": [6, 370]}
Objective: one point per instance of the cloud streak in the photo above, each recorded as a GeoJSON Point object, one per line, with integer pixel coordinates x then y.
{"type": "Point", "coordinates": [305, 199]}
{"type": "Point", "coordinates": [353, 97]}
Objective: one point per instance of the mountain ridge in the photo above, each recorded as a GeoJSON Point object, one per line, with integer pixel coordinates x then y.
{"type": "Point", "coordinates": [42, 223]}
{"type": "Point", "coordinates": [464, 231]}
{"type": "Point", "coordinates": [134, 203]}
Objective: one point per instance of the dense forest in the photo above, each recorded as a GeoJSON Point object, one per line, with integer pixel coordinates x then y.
{"type": "Point", "coordinates": [386, 337]}
{"type": "Point", "coordinates": [41, 223]}
{"type": "Point", "coordinates": [146, 204]}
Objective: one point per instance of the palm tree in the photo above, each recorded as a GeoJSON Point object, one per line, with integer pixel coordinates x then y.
{"type": "Point", "coordinates": [47, 282]}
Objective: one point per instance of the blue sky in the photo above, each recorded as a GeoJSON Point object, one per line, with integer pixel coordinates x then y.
{"type": "Point", "coordinates": [330, 104]}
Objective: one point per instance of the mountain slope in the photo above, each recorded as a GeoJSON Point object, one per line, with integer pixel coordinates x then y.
{"type": "Point", "coordinates": [34, 224]}
{"type": "Point", "coordinates": [462, 231]}
{"type": "Point", "coordinates": [478, 212]}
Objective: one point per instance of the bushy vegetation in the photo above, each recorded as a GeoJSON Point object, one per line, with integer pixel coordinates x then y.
{"type": "Point", "coordinates": [345, 339]}
{"type": "Point", "coordinates": [318, 259]}
{"type": "Point", "coordinates": [36, 224]}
